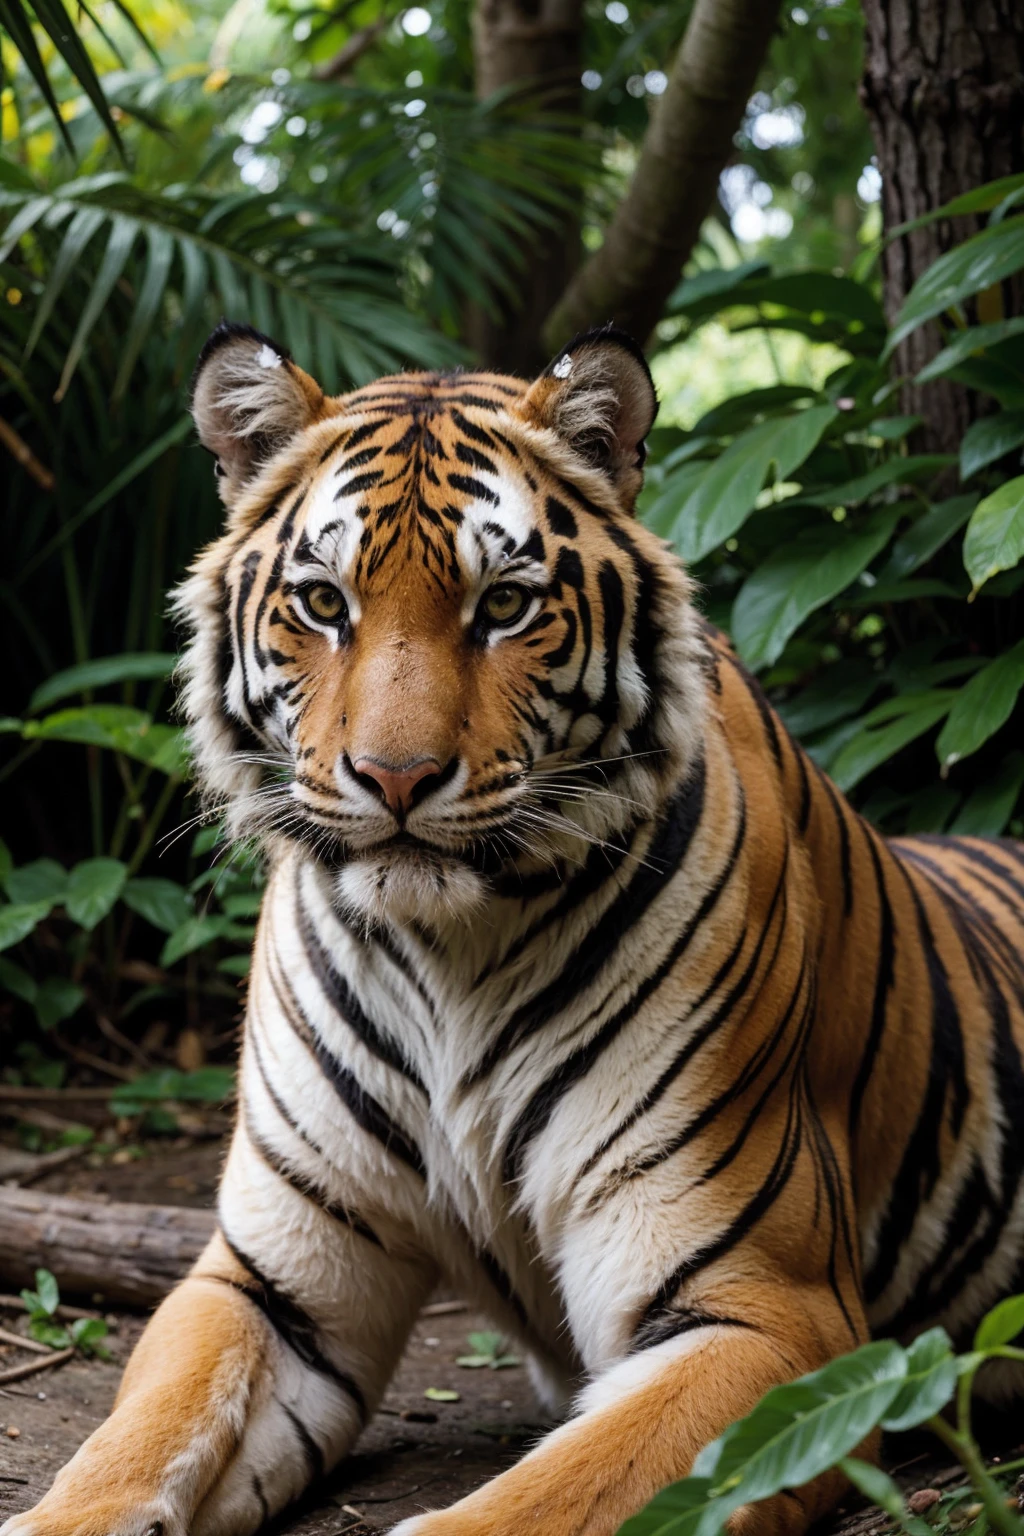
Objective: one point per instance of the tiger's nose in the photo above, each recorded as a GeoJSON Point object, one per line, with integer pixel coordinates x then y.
{"type": "Point", "coordinates": [397, 787]}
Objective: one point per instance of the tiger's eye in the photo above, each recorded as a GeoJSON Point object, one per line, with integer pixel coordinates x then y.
{"type": "Point", "coordinates": [324, 602]}
{"type": "Point", "coordinates": [503, 604]}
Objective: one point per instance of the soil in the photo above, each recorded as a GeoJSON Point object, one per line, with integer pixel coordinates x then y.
{"type": "Point", "coordinates": [416, 1454]}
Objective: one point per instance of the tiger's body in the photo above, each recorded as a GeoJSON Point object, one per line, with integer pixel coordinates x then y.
{"type": "Point", "coordinates": [627, 1024]}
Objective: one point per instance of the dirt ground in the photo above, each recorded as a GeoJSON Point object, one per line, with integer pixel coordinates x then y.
{"type": "Point", "coordinates": [416, 1454]}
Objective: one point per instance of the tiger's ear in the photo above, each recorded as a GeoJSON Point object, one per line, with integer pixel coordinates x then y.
{"type": "Point", "coordinates": [598, 395]}
{"type": "Point", "coordinates": [248, 400]}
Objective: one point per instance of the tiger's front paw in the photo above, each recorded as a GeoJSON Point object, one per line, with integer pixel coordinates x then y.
{"type": "Point", "coordinates": [114, 1514]}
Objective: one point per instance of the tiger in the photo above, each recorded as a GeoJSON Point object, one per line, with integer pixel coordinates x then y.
{"type": "Point", "coordinates": [577, 985]}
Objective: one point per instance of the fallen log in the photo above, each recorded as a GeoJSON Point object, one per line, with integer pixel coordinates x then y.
{"type": "Point", "coordinates": [131, 1255]}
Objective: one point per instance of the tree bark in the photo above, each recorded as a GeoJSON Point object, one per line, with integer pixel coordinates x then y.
{"type": "Point", "coordinates": [944, 89]}
{"type": "Point", "coordinates": [131, 1254]}
{"type": "Point", "coordinates": [686, 147]}
{"type": "Point", "coordinates": [535, 46]}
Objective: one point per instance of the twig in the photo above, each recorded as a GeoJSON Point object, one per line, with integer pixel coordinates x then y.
{"type": "Point", "coordinates": [115, 1036]}
{"type": "Point", "coordinates": [33, 1367]}
{"type": "Point", "coordinates": [87, 1059]}
{"type": "Point", "coordinates": [5, 1479]}
{"type": "Point", "coordinates": [20, 451]}
{"type": "Point", "coordinates": [351, 51]}
{"type": "Point", "coordinates": [50, 1160]}
{"type": "Point", "coordinates": [71, 1314]}
{"type": "Point", "coordinates": [32, 1345]}
{"type": "Point", "coordinates": [23, 1093]}
{"type": "Point", "coordinates": [444, 1308]}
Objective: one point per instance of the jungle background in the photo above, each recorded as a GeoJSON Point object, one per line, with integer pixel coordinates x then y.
{"type": "Point", "coordinates": [810, 213]}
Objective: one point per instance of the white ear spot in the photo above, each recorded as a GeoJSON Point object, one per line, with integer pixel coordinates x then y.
{"type": "Point", "coordinates": [562, 368]}
{"type": "Point", "coordinates": [267, 357]}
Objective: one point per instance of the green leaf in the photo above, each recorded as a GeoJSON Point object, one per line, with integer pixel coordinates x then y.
{"type": "Point", "coordinates": [886, 731]}
{"type": "Point", "coordinates": [875, 1485]}
{"type": "Point", "coordinates": [6, 863]}
{"type": "Point", "coordinates": [927, 536]}
{"type": "Point", "coordinates": [995, 534]}
{"type": "Point", "coordinates": [967, 343]}
{"type": "Point", "coordinates": [193, 933]}
{"type": "Point", "coordinates": [725, 497]}
{"type": "Point", "coordinates": [851, 492]}
{"type": "Point", "coordinates": [442, 1395]}
{"type": "Point", "coordinates": [987, 811]}
{"type": "Point", "coordinates": [208, 1085]}
{"type": "Point", "coordinates": [473, 1362]}
{"type": "Point", "coordinates": [14, 979]}
{"type": "Point", "coordinates": [138, 666]}
{"type": "Point", "coordinates": [18, 920]}
{"type": "Point", "coordinates": [1002, 1325]}
{"type": "Point", "coordinates": [837, 692]}
{"type": "Point", "coordinates": [932, 1373]}
{"type": "Point", "coordinates": [130, 731]}
{"type": "Point", "coordinates": [799, 1430]}
{"type": "Point", "coordinates": [87, 1333]}
{"type": "Point", "coordinates": [800, 577]}
{"type": "Point", "coordinates": [989, 439]}
{"type": "Point", "coordinates": [683, 1509]}
{"type": "Point", "coordinates": [163, 903]}
{"type": "Point", "coordinates": [982, 706]}
{"type": "Point", "coordinates": [52, 1334]}
{"type": "Point", "coordinates": [42, 880]}
{"type": "Point", "coordinates": [705, 291]}
{"type": "Point", "coordinates": [57, 999]}
{"type": "Point", "coordinates": [980, 262]}
{"type": "Point", "coordinates": [93, 887]}
{"type": "Point", "coordinates": [235, 965]}
{"type": "Point", "coordinates": [47, 1290]}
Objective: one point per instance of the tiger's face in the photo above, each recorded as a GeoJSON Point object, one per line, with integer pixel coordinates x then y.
{"type": "Point", "coordinates": [433, 645]}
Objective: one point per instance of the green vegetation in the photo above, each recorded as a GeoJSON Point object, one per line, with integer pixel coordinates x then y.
{"type": "Point", "coordinates": [86, 1334]}
{"type": "Point", "coordinates": [800, 1430]}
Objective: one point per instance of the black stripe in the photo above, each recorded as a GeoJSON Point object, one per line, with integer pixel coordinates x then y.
{"type": "Point", "coordinates": [290, 1322]}
{"type": "Point", "coordinates": [884, 982]}
{"type": "Point", "coordinates": [345, 1003]}
{"type": "Point", "coordinates": [312, 1452]}
{"type": "Point", "coordinates": [682, 818]}
{"type": "Point", "coordinates": [658, 1327]}
{"type": "Point", "coordinates": [362, 1106]}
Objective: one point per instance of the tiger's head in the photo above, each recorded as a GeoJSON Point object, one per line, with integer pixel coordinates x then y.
{"type": "Point", "coordinates": [433, 645]}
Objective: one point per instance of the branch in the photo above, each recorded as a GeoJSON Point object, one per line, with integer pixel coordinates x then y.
{"type": "Point", "coordinates": [687, 144]}
{"type": "Point", "coordinates": [349, 54]}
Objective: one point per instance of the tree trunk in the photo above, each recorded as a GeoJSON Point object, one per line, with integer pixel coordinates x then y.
{"type": "Point", "coordinates": [686, 147]}
{"type": "Point", "coordinates": [944, 90]}
{"type": "Point", "coordinates": [131, 1254]}
{"type": "Point", "coordinates": [535, 45]}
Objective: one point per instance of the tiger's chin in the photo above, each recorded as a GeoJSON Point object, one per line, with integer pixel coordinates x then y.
{"type": "Point", "coordinates": [403, 886]}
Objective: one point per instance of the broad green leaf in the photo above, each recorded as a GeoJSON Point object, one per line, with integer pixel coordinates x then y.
{"type": "Point", "coordinates": [982, 706]}
{"type": "Point", "coordinates": [130, 731]}
{"type": "Point", "coordinates": [47, 1291]}
{"type": "Point", "coordinates": [42, 880]}
{"type": "Point", "coordinates": [851, 492]}
{"type": "Point", "coordinates": [799, 578]}
{"type": "Point", "coordinates": [932, 1373]}
{"type": "Point", "coordinates": [977, 200]}
{"type": "Point", "coordinates": [728, 490]}
{"type": "Point", "coordinates": [994, 540]}
{"type": "Point", "coordinates": [799, 1430]}
{"type": "Point", "coordinates": [886, 731]}
{"type": "Point", "coordinates": [882, 1490]}
{"type": "Point", "coordinates": [838, 691]}
{"type": "Point", "coordinates": [93, 888]}
{"type": "Point", "coordinates": [14, 978]}
{"type": "Point", "coordinates": [893, 428]}
{"type": "Point", "coordinates": [967, 343]}
{"type": "Point", "coordinates": [870, 594]}
{"type": "Point", "coordinates": [658, 506]}
{"type": "Point", "coordinates": [695, 293]}
{"type": "Point", "coordinates": [989, 808]}
{"type": "Point", "coordinates": [683, 1509]}
{"type": "Point", "coordinates": [209, 1085]}
{"type": "Point", "coordinates": [1002, 1325]}
{"type": "Point", "coordinates": [927, 536]}
{"type": "Point", "coordinates": [138, 666]}
{"type": "Point", "coordinates": [163, 903]}
{"type": "Point", "coordinates": [57, 999]}
{"type": "Point", "coordinates": [980, 262]}
{"type": "Point", "coordinates": [442, 1395]}
{"type": "Point", "coordinates": [235, 965]}
{"type": "Point", "coordinates": [193, 933]}
{"type": "Point", "coordinates": [989, 439]}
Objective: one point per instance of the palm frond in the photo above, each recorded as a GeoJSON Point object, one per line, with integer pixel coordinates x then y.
{"type": "Point", "coordinates": [332, 298]}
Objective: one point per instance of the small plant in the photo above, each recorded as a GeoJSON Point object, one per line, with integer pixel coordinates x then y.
{"type": "Point", "coordinates": [487, 1351]}
{"type": "Point", "coordinates": [83, 1333]}
{"type": "Point", "coordinates": [802, 1429]}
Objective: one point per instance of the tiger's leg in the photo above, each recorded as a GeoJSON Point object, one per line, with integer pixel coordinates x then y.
{"type": "Point", "coordinates": [255, 1375]}
{"type": "Point", "coordinates": [640, 1428]}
